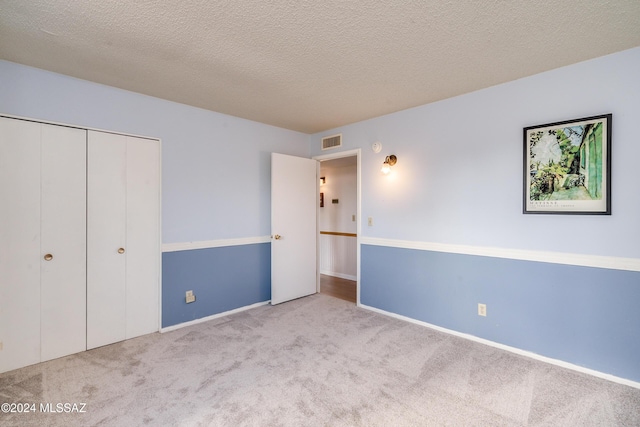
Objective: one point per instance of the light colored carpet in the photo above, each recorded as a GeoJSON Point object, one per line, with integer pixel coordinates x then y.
{"type": "Point", "coordinates": [316, 361]}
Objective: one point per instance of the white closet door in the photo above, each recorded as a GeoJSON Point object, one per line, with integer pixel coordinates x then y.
{"type": "Point", "coordinates": [42, 235]}
{"type": "Point", "coordinates": [106, 238]}
{"type": "Point", "coordinates": [19, 243]}
{"type": "Point", "coordinates": [63, 236]}
{"type": "Point", "coordinates": [123, 237]}
{"type": "Point", "coordinates": [143, 237]}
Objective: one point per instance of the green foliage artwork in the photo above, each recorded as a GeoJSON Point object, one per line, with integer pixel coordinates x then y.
{"type": "Point", "coordinates": [567, 166]}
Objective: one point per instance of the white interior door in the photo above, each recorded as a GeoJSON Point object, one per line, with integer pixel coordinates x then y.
{"type": "Point", "coordinates": [106, 238]}
{"type": "Point", "coordinates": [63, 230]}
{"type": "Point", "coordinates": [19, 243]}
{"type": "Point", "coordinates": [294, 194]}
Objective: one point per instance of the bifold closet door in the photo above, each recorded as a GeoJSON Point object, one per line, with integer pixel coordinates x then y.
{"type": "Point", "coordinates": [143, 236]}
{"type": "Point", "coordinates": [123, 247]}
{"type": "Point", "coordinates": [19, 243]}
{"type": "Point", "coordinates": [63, 285]}
{"type": "Point", "coordinates": [106, 238]}
{"type": "Point", "coordinates": [42, 242]}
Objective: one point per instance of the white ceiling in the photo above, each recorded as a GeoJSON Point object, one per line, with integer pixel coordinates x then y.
{"type": "Point", "coordinates": [311, 65]}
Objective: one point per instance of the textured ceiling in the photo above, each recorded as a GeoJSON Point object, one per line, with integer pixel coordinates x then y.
{"type": "Point", "coordinates": [311, 65]}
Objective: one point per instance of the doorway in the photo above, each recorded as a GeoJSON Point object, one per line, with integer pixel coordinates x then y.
{"type": "Point", "coordinates": [339, 225]}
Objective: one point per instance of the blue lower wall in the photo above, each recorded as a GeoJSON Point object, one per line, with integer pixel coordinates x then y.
{"type": "Point", "coordinates": [582, 315]}
{"type": "Point", "coordinates": [222, 279]}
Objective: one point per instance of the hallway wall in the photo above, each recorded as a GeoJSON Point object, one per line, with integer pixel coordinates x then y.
{"type": "Point", "coordinates": [338, 252]}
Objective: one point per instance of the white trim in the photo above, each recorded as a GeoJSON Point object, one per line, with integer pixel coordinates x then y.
{"type": "Point", "coordinates": [159, 302]}
{"type": "Point", "coordinates": [205, 244]}
{"type": "Point", "coordinates": [337, 155]}
{"type": "Point", "coordinates": [515, 350]}
{"type": "Point", "coordinates": [340, 275]}
{"type": "Point", "coordinates": [213, 316]}
{"type": "Point", "coordinates": [359, 224]}
{"type": "Point", "coordinates": [317, 236]}
{"type": "Point", "coordinates": [598, 261]}
{"type": "Point", "coordinates": [49, 122]}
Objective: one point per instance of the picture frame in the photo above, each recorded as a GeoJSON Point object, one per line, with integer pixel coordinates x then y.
{"type": "Point", "coordinates": [567, 167]}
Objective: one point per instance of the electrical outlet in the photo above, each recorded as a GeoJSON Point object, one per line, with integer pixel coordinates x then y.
{"type": "Point", "coordinates": [370, 221]}
{"type": "Point", "coordinates": [190, 297]}
{"type": "Point", "coordinates": [1, 346]}
{"type": "Point", "coordinates": [482, 309]}
{"type": "Point", "coordinates": [353, 218]}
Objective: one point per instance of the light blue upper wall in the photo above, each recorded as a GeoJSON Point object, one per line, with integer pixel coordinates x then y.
{"type": "Point", "coordinates": [216, 176]}
{"type": "Point", "coordinates": [459, 174]}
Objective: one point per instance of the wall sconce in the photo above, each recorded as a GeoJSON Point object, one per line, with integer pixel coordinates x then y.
{"type": "Point", "coordinates": [388, 162]}
{"type": "Point", "coordinates": [323, 180]}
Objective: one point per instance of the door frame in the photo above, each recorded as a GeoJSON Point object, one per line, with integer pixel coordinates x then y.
{"type": "Point", "coordinates": [338, 155]}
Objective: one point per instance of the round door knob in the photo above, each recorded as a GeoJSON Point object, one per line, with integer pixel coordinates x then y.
{"type": "Point", "coordinates": [121, 250]}
{"type": "Point", "coordinates": [48, 257]}
{"type": "Point", "coordinates": [277, 237]}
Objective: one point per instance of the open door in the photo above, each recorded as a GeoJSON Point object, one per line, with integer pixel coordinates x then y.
{"type": "Point", "coordinates": [294, 194]}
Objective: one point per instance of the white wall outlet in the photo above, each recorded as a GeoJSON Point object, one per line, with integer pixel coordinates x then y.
{"type": "Point", "coordinates": [482, 309]}
{"type": "Point", "coordinates": [1, 346]}
{"type": "Point", "coordinates": [190, 297]}
{"type": "Point", "coordinates": [370, 221]}
{"type": "Point", "coordinates": [353, 218]}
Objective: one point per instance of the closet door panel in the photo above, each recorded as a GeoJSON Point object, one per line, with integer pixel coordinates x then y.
{"type": "Point", "coordinates": [106, 238]}
{"type": "Point", "coordinates": [143, 245]}
{"type": "Point", "coordinates": [19, 243]}
{"type": "Point", "coordinates": [63, 231]}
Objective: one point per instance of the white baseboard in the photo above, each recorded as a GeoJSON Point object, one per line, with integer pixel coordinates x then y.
{"type": "Point", "coordinates": [213, 316]}
{"type": "Point", "coordinates": [515, 350]}
{"type": "Point", "coordinates": [340, 275]}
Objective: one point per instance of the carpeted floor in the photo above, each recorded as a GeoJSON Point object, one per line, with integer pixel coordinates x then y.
{"type": "Point", "coordinates": [316, 361]}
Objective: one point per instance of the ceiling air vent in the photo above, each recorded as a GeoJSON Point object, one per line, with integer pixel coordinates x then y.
{"type": "Point", "coordinates": [332, 141]}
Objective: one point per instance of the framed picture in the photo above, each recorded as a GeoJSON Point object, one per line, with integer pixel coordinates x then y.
{"type": "Point", "coordinates": [567, 167]}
